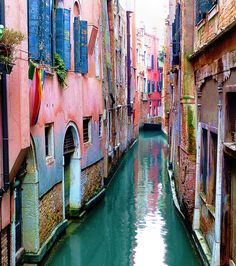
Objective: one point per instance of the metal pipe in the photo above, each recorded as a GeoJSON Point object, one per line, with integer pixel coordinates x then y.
{"type": "Point", "coordinates": [5, 148]}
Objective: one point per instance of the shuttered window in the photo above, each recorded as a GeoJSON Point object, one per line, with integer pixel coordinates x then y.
{"type": "Point", "coordinates": [100, 126]}
{"type": "Point", "coordinates": [152, 61]}
{"type": "Point", "coordinates": [33, 31]}
{"type": "Point", "coordinates": [40, 30]}
{"type": "Point", "coordinates": [69, 145]}
{"type": "Point", "coordinates": [83, 47]}
{"type": "Point", "coordinates": [87, 130]}
{"type": "Point", "coordinates": [202, 7]}
{"type": "Point", "coordinates": [149, 86]}
{"type": "Point", "coordinates": [158, 88]}
{"type": "Point", "coordinates": [176, 29]}
{"type": "Point", "coordinates": [63, 35]}
{"type": "Point", "coordinates": [153, 86]}
{"type": "Point", "coordinates": [80, 45]}
{"type": "Point", "coordinates": [77, 44]}
{"type": "Point", "coordinates": [45, 42]}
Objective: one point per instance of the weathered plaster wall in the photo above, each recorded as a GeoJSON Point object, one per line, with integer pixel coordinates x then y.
{"type": "Point", "coordinates": [18, 100]}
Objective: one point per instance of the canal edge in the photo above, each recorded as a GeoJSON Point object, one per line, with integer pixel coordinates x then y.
{"type": "Point", "coordinates": [196, 236]}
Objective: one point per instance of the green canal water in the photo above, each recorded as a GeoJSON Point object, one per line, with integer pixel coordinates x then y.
{"type": "Point", "coordinates": [136, 223]}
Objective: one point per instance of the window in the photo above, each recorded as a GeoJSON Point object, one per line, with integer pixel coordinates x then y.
{"type": "Point", "coordinates": [149, 63]}
{"type": "Point", "coordinates": [149, 86]}
{"type": "Point", "coordinates": [81, 45]}
{"type": "Point", "coordinates": [176, 36]}
{"type": "Point", "coordinates": [203, 7]}
{"type": "Point", "coordinates": [153, 86]}
{"type": "Point", "coordinates": [152, 61]}
{"type": "Point", "coordinates": [100, 126]}
{"type": "Point", "coordinates": [144, 85]}
{"type": "Point", "coordinates": [158, 88]}
{"type": "Point", "coordinates": [204, 160]}
{"type": "Point", "coordinates": [212, 166]}
{"type": "Point", "coordinates": [49, 141]}
{"type": "Point", "coordinates": [63, 47]}
{"type": "Point", "coordinates": [87, 129]}
{"type": "Point", "coordinates": [40, 30]}
{"type": "Point", "coordinates": [49, 33]}
{"type": "Point", "coordinates": [144, 58]}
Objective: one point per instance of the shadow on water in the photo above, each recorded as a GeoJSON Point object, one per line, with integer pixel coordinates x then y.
{"type": "Point", "coordinates": [136, 223]}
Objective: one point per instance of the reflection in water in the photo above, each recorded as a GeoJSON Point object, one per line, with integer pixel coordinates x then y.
{"type": "Point", "coordinates": [136, 224]}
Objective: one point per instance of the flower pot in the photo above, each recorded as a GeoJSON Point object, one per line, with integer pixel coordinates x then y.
{"type": "Point", "coordinates": [5, 68]}
{"type": "Point", "coordinates": [5, 50]}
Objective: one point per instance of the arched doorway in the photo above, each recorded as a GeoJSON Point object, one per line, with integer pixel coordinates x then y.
{"type": "Point", "coordinates": [72, 172]}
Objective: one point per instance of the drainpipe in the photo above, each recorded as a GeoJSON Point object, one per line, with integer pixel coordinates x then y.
{"type": "Point", "coordinates": [219, 169]}
{"type": "Point", "coordinates": [5, 149]}
{"type": "Point", "coordinates": [128, 63]}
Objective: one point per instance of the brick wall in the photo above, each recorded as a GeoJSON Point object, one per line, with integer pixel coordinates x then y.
{"type": "Point", "coordinates": [216, 21]}
{"type": "Point", "coordinates": [51, 212]}
{"type": "Point", "coordinates": [92, 180]}
{"type": "Point", "coordinates": [4, 245]}
{"type": "Point", "coordinates": [186, 182]}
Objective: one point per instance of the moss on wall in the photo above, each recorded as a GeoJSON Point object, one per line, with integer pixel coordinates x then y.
{"type": "Point", "coordinates": [191, 129]}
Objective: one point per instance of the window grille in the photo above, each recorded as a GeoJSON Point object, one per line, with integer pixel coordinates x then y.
{"type": "Point", "coordinates": [100, 126]}
{"type": "Point", "coordinates": [86, 129]}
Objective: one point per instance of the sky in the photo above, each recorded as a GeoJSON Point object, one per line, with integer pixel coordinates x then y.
{"type": "Point", "coordinates": [153, 13]}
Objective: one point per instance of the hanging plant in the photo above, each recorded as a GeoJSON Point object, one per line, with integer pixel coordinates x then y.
{"type": "Point", "coordinates": [9, 40]}
{"type": "Point", "coordinates": [60, 70]}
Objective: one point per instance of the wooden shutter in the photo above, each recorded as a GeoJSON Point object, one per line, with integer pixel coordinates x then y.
{"type": "Point", "coordinates": [63, 35]}
{"type": "Point", "coordinates": [152, 61]}
{"type": "Point", "coordinates": [33, 25]}
{"type": "Point", "coordinates": [83, 47]}
{"type": "Point", "coordinates": [45, 44]}
{"type": "Point", "coordinates": [60, 32]}
{"type": "Point", "coordinates": [67, 37]}
{"type": "Point", "coordinates": [77, 44]}
{"type": "Point", "coordinates": [69, 145]}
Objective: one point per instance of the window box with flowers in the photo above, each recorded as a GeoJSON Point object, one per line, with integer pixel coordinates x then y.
{"type": "Point", "coordinates": [9, 40]}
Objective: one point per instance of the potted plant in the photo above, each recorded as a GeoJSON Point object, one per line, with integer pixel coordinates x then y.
{"type": "Point", "coordinates": [9, 40]}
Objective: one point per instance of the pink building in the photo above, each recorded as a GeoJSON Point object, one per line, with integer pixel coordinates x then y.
{"type": "Point", "coordinates": [56, 137]}
{"type": "Point", "coordinates": [153, 76]}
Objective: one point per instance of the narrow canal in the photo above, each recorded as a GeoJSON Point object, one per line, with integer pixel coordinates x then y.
{"type": "Point", "coordinates": [136, 224]}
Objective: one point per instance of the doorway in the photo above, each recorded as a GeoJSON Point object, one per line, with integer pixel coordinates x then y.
{"type": "Point", "coordinates": [72, 172]}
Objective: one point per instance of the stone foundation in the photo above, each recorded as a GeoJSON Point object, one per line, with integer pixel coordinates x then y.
{"type": "Point", "coordinates": [51, 212]}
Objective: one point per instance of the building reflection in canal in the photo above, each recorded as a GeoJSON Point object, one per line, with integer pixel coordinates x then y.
{"type": "Point", "coordinates": [136, 224]}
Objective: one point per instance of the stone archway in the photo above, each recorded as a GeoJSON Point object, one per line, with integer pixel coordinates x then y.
{"type": "Point", "coordinates": [72, 172]}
